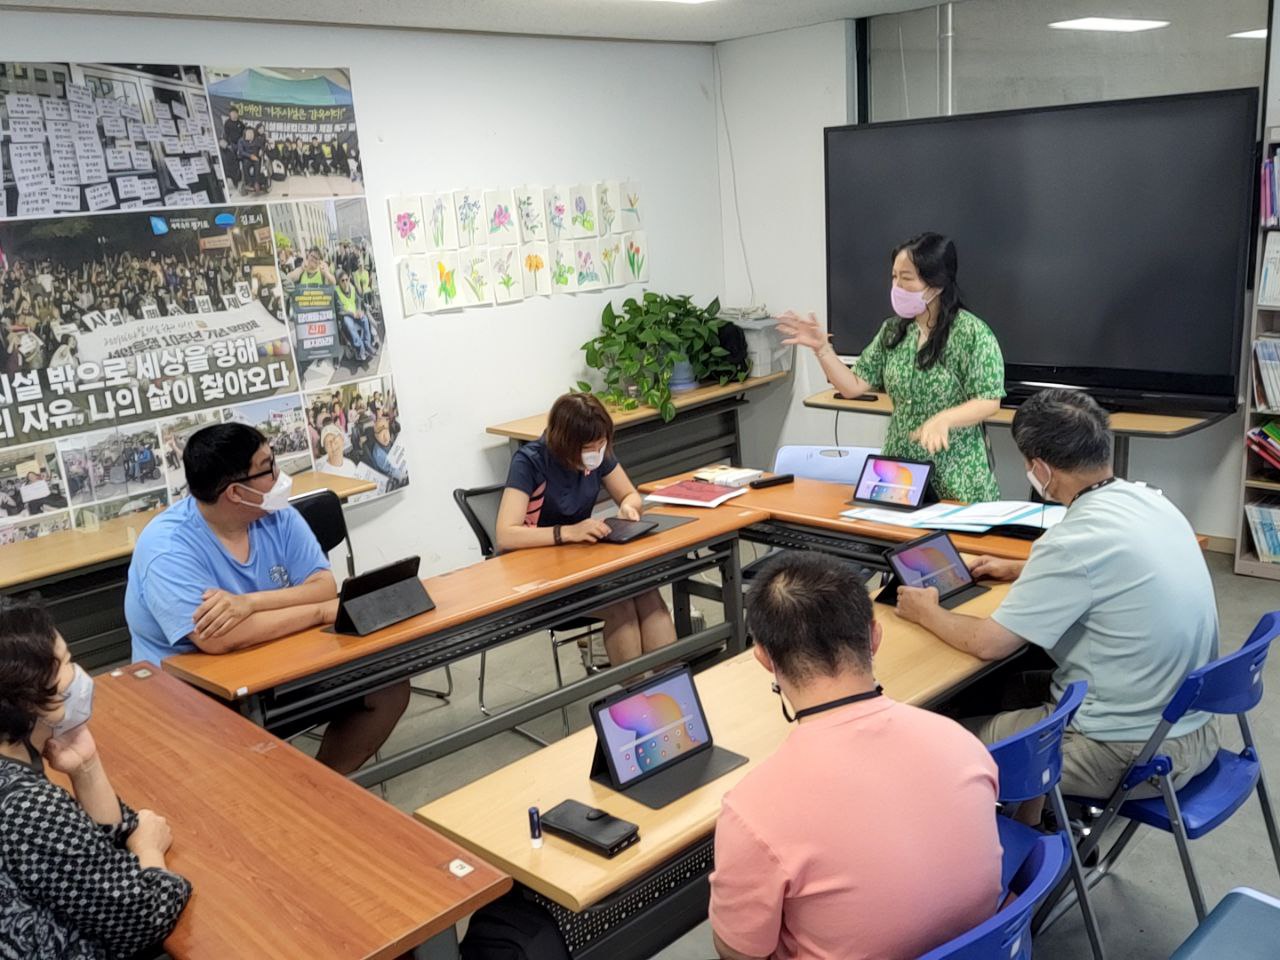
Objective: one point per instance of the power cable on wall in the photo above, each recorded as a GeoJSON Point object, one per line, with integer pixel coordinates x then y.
{"type": "Point", "coordinates": [733, 175]}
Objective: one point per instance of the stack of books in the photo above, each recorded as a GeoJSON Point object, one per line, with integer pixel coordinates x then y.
{"type": "Point", "coordinates": [1266, 371]}
{"type": "Point", "coordinates": [1264, 524]}
{"type": "Point", "coordinates": [1265, 442]}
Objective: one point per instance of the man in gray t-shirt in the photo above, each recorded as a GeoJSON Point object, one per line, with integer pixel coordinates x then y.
{"type": "Point", "coordinates": [1117, 593]}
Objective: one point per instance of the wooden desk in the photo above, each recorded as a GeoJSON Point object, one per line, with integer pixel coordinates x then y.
{"type": "Point", "coordinates": [488, 816]}
{"type": "Point", "coordinates": [817, 505]}
{"type": "Point", "coordinates": [287, 858]}
{"type": "Point", "coordinates": [283, 683]}
{"type": "Point", "coordinates": [81, 573]}
{"type": "Point", "coordinates": [1124, 424]}
{"type": "Point", "coordinates": [705, 430]}
{"type": "Point", "coordinates": [73, 551]}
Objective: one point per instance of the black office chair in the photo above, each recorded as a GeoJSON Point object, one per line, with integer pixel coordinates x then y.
{"type": "Point", "coordinates": [324, 515]}
{"type": "Point", "coordinates": [479, 506]}
{"type": "Point", "coordinates": [323, 512]}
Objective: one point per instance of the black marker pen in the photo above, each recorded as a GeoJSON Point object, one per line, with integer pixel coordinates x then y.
{"type": "Point", "coordinates": [535, 828]}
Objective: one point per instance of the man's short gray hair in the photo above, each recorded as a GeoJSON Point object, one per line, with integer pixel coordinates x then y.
{"type": "Point", "coordinates": [1066, 429]}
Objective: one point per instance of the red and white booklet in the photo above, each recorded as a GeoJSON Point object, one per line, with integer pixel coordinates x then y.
{"type": "Point", "coordinates": [695, 493]}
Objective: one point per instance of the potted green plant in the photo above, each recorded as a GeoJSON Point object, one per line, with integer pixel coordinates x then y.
{"type": "Point", "coordinates": [638, 351]}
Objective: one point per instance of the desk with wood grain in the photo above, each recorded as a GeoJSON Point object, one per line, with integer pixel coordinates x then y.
{"type": "Point", "coordinates": [487, 816]}
{"type": "Point", "coordinates": [1125, 424]}
{"type": "Point", "coordinates": [294, 681]}
{"type": "Point", "coordinates": [287, 858]}
{"type": "Point", "coordinates": [814, 508]}
{"type": "Point", "coordinates": [705, 429]}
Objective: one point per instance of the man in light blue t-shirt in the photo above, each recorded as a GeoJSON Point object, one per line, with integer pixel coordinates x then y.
{"type": "Point", "coordinates": [233, 566]}
{"type": "Point", "coordinates": [1117, 593]}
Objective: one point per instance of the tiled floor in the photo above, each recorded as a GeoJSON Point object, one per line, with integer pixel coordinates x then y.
{"type": "Point", "coordinates": [1144, 908]}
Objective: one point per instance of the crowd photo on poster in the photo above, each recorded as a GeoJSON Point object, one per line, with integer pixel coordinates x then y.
{"type": "Point", "coordinates": [287, 132]}
{"type": "Point", "coordinates": [181, 246]}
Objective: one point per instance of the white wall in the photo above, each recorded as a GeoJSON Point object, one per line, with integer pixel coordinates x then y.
{"type": "Point", "coordinates": [450, 110]}
{"type": "Point", "coordinates": [780, 90]}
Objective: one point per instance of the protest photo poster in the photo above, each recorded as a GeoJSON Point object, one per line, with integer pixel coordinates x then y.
{"type": "Point", "coordinates": [355, 431]}
{"type": "Point", "coordinates": [287, 131]}
{"type": "Point", "coordinates": [184, 299]}
{"type": "Point", "coordinates": [85, 137]}
{"type": "Point", "coordinates": [323, 251]}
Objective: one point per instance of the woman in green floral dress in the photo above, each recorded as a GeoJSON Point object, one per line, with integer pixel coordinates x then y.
{"type": "Point", "coordinates": [940, 365]}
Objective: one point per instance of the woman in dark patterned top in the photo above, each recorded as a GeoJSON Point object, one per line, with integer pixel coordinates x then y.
{"type": "Point", "coordinates": [552, 487]}
{"type": "Point", "coordinates": [83, 877]}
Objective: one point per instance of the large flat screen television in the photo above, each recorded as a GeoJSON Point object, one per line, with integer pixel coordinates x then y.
{"type": "Point", "coordinates": [1106, 244]}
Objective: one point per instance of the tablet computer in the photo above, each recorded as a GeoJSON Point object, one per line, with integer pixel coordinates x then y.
{"type": "Point", "coordinates": [381, 597]}
{"type": "Point", "coordinates": [624, 531]}
{"type": "Point", "coordinates": [651, 726]}
{"type": "Point", "coordinates": [893, 483]}
{"type": "Point", "coordinates": [931, 561]}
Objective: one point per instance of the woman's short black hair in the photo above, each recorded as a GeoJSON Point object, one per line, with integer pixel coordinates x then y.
{"type": "Point", "coordinates": [811, 614]}
{"type": "Point", "coordinates": [28, 668]}
{"type": "Point", "coordinates": [217, 456]}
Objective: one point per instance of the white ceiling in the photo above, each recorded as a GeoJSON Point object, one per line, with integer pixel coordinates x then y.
{"type": "Point", "coordinates": [621, 19]}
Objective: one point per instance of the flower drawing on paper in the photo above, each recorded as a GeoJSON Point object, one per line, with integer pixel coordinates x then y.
{"type": "Point", "coordinates": [468, 215]}
{"type": "Point", "coordinates": [501, 220]}
{"type": "Point", "coordinates": [635, 259]}
{"type": "Point", "coordinates": [582, 216]}
{"type": "Point", "coordinates": [607, 213]}
{"type": "Point", "coordinates": [632, 204]}
{"type": "Point", "coordinates": [448, 289]}
{"type": "Point", "coordinates": [555, 213]}
{"type": "Point", "coordinates": [534, 264]}
{"type": "Point", "coordinates": [406, 224]}
{"type": "Point", "coordinates": [609, 260]}
{"type": "Point", "coordinates": [475, 277]}
{"type": "Point", "coordinates": [587, 269]}
{"type": "Point", "coordinates": [530, 215]}
{"type": "Point", "coordinates": [437, 222]}
{"type": "Point", "coordinates": [561, 272]}
{"type": "Point", "coordinates": [416, 289]}
{"type": "Point", "coordinates": [503, 267]}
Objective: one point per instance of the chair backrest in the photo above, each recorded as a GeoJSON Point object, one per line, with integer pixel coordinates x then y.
{"type": "Point", "coordinates": [479, 505]}
{"type": "Point", "coordinates": [1030, 761]}
{"type": "Point", "coordinates": [1007, 935]}
{"type": "Point", "coordinates": [1230, 684]}
{"type": "Point", "coordinates": [831, 464]}
{"type": "Point", "coordinates": [323, 512]}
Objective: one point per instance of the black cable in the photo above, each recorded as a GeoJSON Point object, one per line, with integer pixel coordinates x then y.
{"type": "Point", "coordinates": [837, 431]}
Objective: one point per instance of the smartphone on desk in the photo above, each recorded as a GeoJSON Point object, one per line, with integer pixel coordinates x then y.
{"type": "Point", "coordinates": [590, 827]}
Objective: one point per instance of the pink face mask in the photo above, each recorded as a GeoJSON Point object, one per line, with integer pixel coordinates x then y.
{"type": "Point", "coordinates": [908, 304]}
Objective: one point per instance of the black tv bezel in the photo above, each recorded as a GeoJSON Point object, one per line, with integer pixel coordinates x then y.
{"type": "Point", "coordinates": [1114, 386]}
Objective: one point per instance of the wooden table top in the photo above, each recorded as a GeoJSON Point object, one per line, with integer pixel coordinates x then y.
{"type": "Point", "coordinates": [816, 503]}
{"type": "Point", "coordinates": [71, 550]}
{"type": "Point", "coordinates": [489, 817]}
{"type": "Point", "coordinates": [531, 428]}
{"type": "Point", "coordinates": [287, 858]}
{"type": "Point", "coordinates": [1123, 422]}
{"type": "Point", "coordinates": [461, 595]}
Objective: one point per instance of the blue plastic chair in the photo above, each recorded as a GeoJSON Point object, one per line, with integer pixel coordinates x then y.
{"type": "Point", "coordinates": [1007, 935]}
{"type": "Point", "coordinates": [829, 464]}
{"type": "Point", "coordinates": [1030, 764]}
{"type": "Point", "coordinates": [1244, 926]}
{"type": "Point", "coordinates": [1229, 685]}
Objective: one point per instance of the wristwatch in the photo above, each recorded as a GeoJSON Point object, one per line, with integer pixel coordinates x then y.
{"type": "Point", "coordinates": [556, 531]}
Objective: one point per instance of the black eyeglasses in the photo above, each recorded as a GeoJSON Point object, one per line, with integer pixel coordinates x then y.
{"type": "Point", "coordinates": [272, 471]}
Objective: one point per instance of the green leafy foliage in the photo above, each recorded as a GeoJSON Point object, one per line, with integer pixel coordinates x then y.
{"type": "Point", "coordinates": [638, 348]}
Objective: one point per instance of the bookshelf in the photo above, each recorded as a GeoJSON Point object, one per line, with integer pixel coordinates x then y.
{"type": "Point", "coordinates": [1259, 481]}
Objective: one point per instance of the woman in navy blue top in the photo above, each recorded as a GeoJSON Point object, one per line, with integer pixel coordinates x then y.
{"type": "Point", "coordinates": [552, 487]}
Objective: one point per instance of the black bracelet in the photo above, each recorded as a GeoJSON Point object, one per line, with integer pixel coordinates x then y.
{"type": "Point", "coordinates": [557, 534]}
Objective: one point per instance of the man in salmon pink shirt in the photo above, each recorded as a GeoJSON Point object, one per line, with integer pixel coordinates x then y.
{"type": "Point", "coordinates": [871, 833]}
